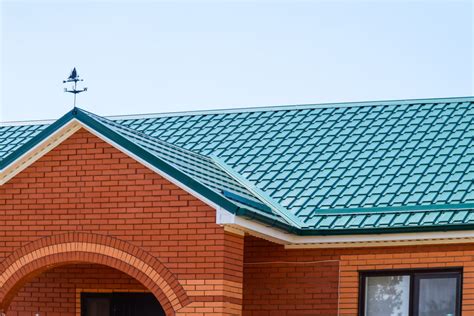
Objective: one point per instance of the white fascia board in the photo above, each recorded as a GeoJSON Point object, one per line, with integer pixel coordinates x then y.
{"type": "Point", "coordinates": [292, 241]}
{"type": "Point", "coordinates": [39, 150]}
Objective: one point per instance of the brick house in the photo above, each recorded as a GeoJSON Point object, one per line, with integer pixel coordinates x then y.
{"type": "Point", "coordinates": [333, 209]}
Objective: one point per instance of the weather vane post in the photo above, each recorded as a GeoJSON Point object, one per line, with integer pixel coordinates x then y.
{"type": "Point", "coordinates": [74, 77]}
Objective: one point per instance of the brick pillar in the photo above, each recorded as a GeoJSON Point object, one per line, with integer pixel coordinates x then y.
{"type": "Point", "coordinates": [221, 294]}
{"type": "Point", "coordinates": [233, 274]}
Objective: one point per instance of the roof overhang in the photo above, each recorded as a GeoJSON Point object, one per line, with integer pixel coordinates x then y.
{"type": "Point", "coordinates": [241, 225]}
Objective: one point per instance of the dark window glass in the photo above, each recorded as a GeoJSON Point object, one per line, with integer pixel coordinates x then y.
{"type": "Point", "coordinates": [436, 295]}
{"type": "Point", "coordinates": [97, 306]}
{"type": "Point", "coordinates": [410, 293]}
{"type": "Point", "coordinates": [387, 295]}
{"type": "Point", "coordinates": [120, 304]}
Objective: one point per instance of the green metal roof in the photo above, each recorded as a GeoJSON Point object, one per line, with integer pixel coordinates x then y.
{"type": "Point", "coordinates": [196, 171]}
{"type": "Point", "coordinates": [355, 167]}
{"type": "Point", "coordinates": [12, 137]}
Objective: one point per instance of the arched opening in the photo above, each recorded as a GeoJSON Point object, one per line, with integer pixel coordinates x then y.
{"type": "Point", "coordinates": [73, 248]}
{"type": "Point", "coordinates": [86, 290]}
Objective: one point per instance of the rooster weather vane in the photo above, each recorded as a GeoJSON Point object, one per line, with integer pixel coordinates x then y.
{"type": "Point", "coordinates": [74, 77]}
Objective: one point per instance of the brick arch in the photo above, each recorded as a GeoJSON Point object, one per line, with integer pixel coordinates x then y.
{"type": "Point", "coordinates": [77, 247]}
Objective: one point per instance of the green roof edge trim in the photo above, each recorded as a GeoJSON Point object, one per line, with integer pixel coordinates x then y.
{"type": "Point", "coordinates": [176, 174]}
{"type": "Point", "coordinates": [83, 117]}
{"type": "Point", "coordinates": [155, 161]}
{"type": "Point", "coordinates": [234, 196]}
{"type": "Point", "coordinates": [259, 193]}
{"type": "Point", "coordinates": [37, 139]}
{"type": "Point", "coordinates": [355, 231]}
{"type": "Point", "coordinates": [181, 177]}
{"type": "Point", "coordinates": [393, 209]}
{"type": "Point", "coordinates": [387, 230]}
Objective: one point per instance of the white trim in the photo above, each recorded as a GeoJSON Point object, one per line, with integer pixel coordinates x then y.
{"type": "Point", "coordinates": [292, 241]}
{"type": "Point", "coordinates": [224, 217]}
{"type": "Point", "coordinates": [234, 231]}
{"type": "Point", "coordinates": [38, 151]}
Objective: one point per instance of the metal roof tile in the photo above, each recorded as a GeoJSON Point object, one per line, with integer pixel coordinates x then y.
{"type": "Point", "coordinates": [383, 155]}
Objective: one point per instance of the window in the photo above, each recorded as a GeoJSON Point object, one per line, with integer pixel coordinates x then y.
{"type": "Point", "coordinates": [410, 293]}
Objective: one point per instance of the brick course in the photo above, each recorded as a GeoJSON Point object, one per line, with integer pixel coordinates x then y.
{"type": "Point", "coordinates": [289, 282]}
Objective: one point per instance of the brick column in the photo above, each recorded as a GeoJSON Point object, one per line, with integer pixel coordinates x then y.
{"type": "Point", "coordinates": [222, 293]}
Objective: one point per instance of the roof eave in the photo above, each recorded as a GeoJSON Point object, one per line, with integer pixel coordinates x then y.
{"type": "Point", "coordinates": [351, 231]}
{"type": "Point", "coordinates": [385, 230]}
{"type": "Point", "coordinates": [451, 235]}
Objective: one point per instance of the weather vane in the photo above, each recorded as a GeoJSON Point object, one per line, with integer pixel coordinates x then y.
{"type": "Point", "coordinates": [74, 77]}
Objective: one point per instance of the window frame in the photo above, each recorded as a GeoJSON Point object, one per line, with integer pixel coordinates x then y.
{"type": "Point", "coordinates": [414, 285]}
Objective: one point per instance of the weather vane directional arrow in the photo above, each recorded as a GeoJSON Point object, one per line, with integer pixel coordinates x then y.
{"type": "Point", "coordinates": [74, 77]}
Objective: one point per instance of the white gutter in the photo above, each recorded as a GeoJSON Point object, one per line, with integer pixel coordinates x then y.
{"type": "Point", "coordinates": [292, 241]}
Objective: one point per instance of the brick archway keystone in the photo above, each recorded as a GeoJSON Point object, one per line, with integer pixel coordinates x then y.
{"type": "Point", "coordinates": [45, 253]}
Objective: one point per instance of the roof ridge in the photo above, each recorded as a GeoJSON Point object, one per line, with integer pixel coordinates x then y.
{"type": "Point", "coordinates": [145, 136]}
{"type": "Point", "coordinates": [287, 107]}
{"type": "Point", "coordinates": [283, 107]}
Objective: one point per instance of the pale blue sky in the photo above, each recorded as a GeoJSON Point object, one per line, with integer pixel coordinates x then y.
{"type": "Point", "coordinates": [156, 56]}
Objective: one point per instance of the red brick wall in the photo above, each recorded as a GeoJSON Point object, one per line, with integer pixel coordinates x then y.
{"type": "Point", "coordinates": [415, 257]}
{"type": "Point", "coordinates": [56, 291]}
{"type": "Point", "coordinates": [86, 185]}
{"type": "Point", "coordinates": [289, 282]}
{"type": "Point", "coordinates": [280, 281]}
